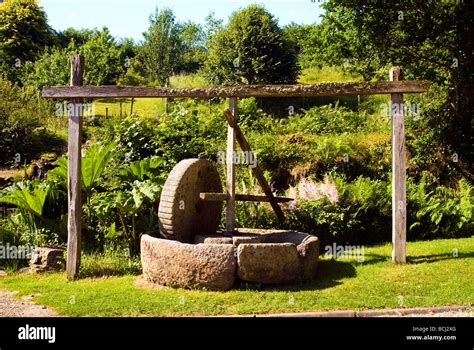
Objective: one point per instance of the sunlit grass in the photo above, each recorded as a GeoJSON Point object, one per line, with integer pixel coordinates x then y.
{"type": "Point", "coordinates": [326, 74]}
{"type": "Point", "coordinates": [438, 272]}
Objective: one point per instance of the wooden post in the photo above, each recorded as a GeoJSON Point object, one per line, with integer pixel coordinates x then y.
{"type": "Point", "coordinates": [74, 174]}
{"type": "Point", "coordinates": [230, 171]}
{"type": "Point", "coordinates": [399, 215]}
{"type": "Point", "coordinates": [131, 106]}
{"type": "Point", "coordinates": [257, 171]}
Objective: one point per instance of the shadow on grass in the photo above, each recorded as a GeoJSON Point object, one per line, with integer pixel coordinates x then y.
{"type": "Point", "coordinates": [328, 275]}
{"type": "Point", "coordinates": [371, 259]}
{"type": "Point", "coordinates": [421, 259]}
{"type": "Point", "coordinates": [115, 100]}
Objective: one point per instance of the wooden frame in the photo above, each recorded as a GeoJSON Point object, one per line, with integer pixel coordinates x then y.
{"type": "Point", "coordinates": [76, 92]}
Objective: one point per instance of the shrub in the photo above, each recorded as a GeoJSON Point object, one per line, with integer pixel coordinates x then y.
{"type": "Point", "coordinates": [362, 215]}
{"type": "Point", "coordinates": [20, 113]}
{"type": "Point", "coordinates": [251, 49]}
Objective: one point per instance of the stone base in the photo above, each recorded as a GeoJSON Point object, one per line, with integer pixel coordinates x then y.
{"type": "Point", "coordinates": [216, 261]}
{"type": "Point", "coordinates": [46, 259]}
{"type": "Point", "coordinates": [182, 265]}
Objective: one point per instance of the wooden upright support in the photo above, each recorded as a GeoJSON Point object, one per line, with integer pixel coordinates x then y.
{"type": "Point", "coordinates": [399, 206]}
{"type": "Point", "coordinates": [230, 171]}
{"type": "Point", "coordinates": [74, 174]}
{"type": "Point", "coordinates": [257, 171]}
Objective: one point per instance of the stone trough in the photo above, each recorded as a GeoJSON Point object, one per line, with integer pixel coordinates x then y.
{"type": "Point", "coordinates": [188, 251]}
{"type": "Point", "coordinates": [217, 261]}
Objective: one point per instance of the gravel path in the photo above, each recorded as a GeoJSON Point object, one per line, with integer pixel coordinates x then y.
{"type": "Point", "coordinates": [12, 307]}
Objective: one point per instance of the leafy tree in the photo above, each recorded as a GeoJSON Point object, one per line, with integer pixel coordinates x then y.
{"type": "Point", "coordinates": [429, 39]}
{"type": "Point", "coordinates": [193, 38]}
{"type": "Point", "coordinates": [24, 33]}
{"type": "Point", "coordinates": [212, 27]}
{"type": "Point", "coordinates": [135, 74]}
{"type": "Point", "coordinates": [163, 47]}
{"type": "Point", "coordinates": [74, 36]}
{"type": "Point", "coordinates": [302, 37]}
{"type": "Point", "coordinates": [251, 49]}
{"type": "Point", "coordinates": [51, 69]}
{"type": "Point", "coordinates": [102, 59]}
{"type": "Point", "coordinates": [20, 114]}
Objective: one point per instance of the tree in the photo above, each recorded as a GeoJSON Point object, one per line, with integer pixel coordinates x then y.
{"type": "Point", "coordinates": [74, 36]}
{"type": "Point", "coordinates": [251, 49]}
{"type": "Point", "coordinates": [51, 69]}
{"type": "Point", "coordinates": [103, 63]}
{"type": "Point", "coordinates": [163, 47]}
{"type": "Point", "coordinates": [24, 33]}
{"type": "Point", "coordinates": [431, 40]}
{"type": "Point", "coordinates": [102, 59]}
{"type": "Point", "coordinates": [193, 39]}
{"type": "Point", "coordinates": [307, 41]}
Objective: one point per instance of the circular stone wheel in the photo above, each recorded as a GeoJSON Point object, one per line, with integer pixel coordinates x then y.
{"type": "Point", "coordinates": [182, 214]}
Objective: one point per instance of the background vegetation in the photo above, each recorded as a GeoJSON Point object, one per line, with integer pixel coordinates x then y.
{"type": "Point", "coordinates": [332, 154]}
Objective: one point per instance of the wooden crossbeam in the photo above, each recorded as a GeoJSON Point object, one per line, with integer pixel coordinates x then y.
{"type": "Point", "coordinates": [300, 90]}
{"type": "Point", "coordinates": [220, 197]}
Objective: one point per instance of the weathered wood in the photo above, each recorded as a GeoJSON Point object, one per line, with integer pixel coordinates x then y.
{"type": "Point", "coordinates": [230, 171]}
{"type": "Point", "coordinates": [220, 197]}
{"type": "Point", "coordinates": [256, 170]}
{"type": "Point", "coordinates": [74, 174]}
{"type": "Point", "coordinates": [399, 215]}
{"type": "Point", "coordinates": [323, 89]}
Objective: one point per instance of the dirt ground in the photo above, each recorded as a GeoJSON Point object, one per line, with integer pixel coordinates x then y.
{"type": "Point", "coordinates": [12, 307]}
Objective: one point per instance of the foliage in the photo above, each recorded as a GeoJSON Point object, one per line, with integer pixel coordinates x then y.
{"type": "Point", "coordinates": [441, 211]}
{"type": "Point", "coordinates": [185, 132]}
{"type": "Point", "coordinates": [362, 214]}
{"type": "Point", "coordinates": [102, 59]}
{"type": "Point", "coordinates": [92, 167]}
{"type": "Point", "coordinates": [50, 69]}
{"type": "Point", "coordinates": [20, 113]}
{"type": "Point", "coordinates": [24, 33]}
{"type": "Point", "coordinates": [427, 38]}
{"type": "Point", "coordinates": [162, 48]}
{"type": "Point", "coordinates": [134, 75]}
{"type": "Point", "coordinates": [30, 224]}
{"type": "Point", "coordinates": [27, 197]}
{"type": "Point", "coordinates": [194, 52]}
{"type": "Point", "coordinates": [329, 119]}
{"type": "Point", "coordinates": [251, 49]}
{"type": "Point", "coordinates": [112, 260]}
{"type": "Point", "coordinates": [74, 37]}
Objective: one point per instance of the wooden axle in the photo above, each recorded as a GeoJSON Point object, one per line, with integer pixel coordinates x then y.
{"type": "Point", "coordinates": [220, 197]}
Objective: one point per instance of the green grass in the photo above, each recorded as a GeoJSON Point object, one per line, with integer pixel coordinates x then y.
{"type": "Point", "coordinates": [316, 75]}
{"type": "Point", "coordinates": [432, 276]}
{"type": "Point", "coordinates": [146, 107]}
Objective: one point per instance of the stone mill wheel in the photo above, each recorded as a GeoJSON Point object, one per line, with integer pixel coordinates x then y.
{"type": "Point", "coordinates": [182, 214]}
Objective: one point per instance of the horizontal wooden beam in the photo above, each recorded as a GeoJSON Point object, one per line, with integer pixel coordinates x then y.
{"type": "Point", "coordinates": [323, 89]}
{"type": "Point", "coordinates": [220, 197]}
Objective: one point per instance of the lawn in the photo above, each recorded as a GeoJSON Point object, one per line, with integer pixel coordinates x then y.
{"type": "Point", "coordinates": [438, 272]}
